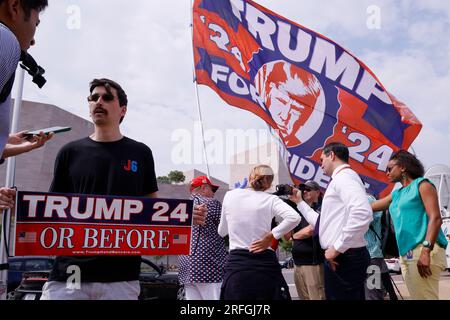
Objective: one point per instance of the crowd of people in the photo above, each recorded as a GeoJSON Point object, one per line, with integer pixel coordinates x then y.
{"type": "Point", "coordinates": [335, 234]}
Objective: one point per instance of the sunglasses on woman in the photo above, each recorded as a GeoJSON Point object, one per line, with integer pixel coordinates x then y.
{"type": "Point", "coordinates": [389, 169]}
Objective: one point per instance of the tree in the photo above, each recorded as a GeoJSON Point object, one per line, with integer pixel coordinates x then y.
{"type": "Point", "coordinates": [163, 179]}
{"type": "Point", "coordinates": [176, 176]}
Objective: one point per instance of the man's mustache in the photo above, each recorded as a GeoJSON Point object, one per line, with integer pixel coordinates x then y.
{"type": "Point", "coordinates": [100, 110]}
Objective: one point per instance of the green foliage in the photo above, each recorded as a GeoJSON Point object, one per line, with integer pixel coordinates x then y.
{"type": "Point", "coordinates": [176, 176]}
{"type": "Point", "coordinates": [285, 245]}
{"type": "Point", "coordinates": [163, 179]}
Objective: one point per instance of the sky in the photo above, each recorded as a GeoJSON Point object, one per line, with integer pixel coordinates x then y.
{"type": "Point", "coordinates": [146, 47]}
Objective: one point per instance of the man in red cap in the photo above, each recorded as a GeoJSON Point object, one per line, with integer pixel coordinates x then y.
{"type": "Point", "coordinates": [205, 184]}
{"type": "Point", "coordinates": [202, 272]}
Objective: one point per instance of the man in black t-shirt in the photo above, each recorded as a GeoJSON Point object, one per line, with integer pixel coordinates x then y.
{"type": "Point", "coordinates": [106, 163]}
{"type": "Point", "coordinates": [306, 251]}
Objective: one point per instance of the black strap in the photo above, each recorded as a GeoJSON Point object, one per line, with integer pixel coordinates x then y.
{"type": "Point", "coordinates": [373, 230]}
{"type": "Point", "coordinates": [4, 266]}
{"type": "Point", "coordinates": [7, 89]}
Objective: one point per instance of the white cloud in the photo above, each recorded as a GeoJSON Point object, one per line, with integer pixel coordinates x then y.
{"type": "Point", "coordinates": [146, 46]}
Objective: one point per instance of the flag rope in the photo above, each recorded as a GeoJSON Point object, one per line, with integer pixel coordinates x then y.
{"type": "Point", "coordinates": [197, 96]}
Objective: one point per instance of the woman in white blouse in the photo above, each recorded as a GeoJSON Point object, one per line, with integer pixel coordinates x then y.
{"type": "Point", "coordinates": [252, 270]}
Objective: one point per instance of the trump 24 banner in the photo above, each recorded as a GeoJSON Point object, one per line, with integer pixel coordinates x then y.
{"type": "Point", "coordinates": [308, 89]}
{"type": "Point", "coordinates": [82, 225]}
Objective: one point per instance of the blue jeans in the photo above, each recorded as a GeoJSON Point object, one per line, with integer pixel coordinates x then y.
{"type": "Point", "coordinates": [348, 280]}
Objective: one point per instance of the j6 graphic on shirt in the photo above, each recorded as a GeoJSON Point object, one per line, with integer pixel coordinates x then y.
{"type": "Point", "coordinates": [131, 165]}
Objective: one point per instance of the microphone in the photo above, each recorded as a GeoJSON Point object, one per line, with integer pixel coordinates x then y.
{"type": "Point", "coordinates": [29, 64]}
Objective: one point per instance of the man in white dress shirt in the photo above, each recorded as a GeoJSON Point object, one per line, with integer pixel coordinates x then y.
{"type": "Point", "coordinates": [345, 218]}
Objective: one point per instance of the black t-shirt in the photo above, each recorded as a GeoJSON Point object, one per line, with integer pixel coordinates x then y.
{"type": "Point", "coordinates": [306, 251]}
{"type": "Point", "coordinates": [121, 168]}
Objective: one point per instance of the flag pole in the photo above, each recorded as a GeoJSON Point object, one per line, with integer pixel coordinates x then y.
{"type": "Point", "coordinates": [197, 94]}
{"type": "Point", "coordinates": [10, 178]}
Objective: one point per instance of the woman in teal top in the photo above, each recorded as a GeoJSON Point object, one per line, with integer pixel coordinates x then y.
{"type": "Point", "coordinates": [417, 221]}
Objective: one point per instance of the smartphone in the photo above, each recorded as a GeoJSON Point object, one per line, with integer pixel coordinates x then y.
{"type": "Point", "coordinates": [47, 131]}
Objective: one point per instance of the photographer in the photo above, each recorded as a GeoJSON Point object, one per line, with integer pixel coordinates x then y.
{"type": "Point", "coordinates": [306, 251]}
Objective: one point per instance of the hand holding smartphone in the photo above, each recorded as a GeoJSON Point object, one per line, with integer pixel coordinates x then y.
{"type": "Point", "coordinates": [46, 131]}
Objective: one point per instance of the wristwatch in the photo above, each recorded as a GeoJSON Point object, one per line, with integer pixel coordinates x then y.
{"type": "Point", "coordinates": [427, 244]}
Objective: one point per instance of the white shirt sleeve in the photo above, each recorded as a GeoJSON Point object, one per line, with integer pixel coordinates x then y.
{"type": "Point", "coordinates": [352, 193]}
{"type": "Point", "coordinates": [9, 55]}
{"type": "Point", "coordinates": [290, 218]}
{"type": "Point", "coordinates": [308, 213]}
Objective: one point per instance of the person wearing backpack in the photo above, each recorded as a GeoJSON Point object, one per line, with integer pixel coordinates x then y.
{"type": "Point", "coordinates": [378, 281]}
{"type": "Point", "coordinates": [414, 209]}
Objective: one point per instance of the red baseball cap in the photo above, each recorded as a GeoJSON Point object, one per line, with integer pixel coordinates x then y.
{"type": "Point", "coordinates": [199, 181]}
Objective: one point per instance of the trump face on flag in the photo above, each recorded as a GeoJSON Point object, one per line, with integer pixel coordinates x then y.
{"type": "Point", "coordinates": [294, 98]}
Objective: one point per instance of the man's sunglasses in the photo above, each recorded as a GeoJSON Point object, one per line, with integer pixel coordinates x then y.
{"type": "Point", "coordinates": [107, 97]}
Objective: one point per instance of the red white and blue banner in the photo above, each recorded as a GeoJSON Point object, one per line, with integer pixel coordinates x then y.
{"type": "Point", "coordinates": [307, 88]}
{"type": "Point", "coordinates": [53, 224]}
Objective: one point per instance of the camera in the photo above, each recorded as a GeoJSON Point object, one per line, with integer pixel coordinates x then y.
{"type": "Point", "coordinates": [283, 190]}
{"type": "Point", "coordinates": [33, 69]}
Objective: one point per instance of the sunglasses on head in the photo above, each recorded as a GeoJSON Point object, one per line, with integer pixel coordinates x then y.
{"type": "Point", "coordinates": [107, 97]}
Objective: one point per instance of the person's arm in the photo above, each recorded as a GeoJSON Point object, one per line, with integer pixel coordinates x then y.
{"type": "Point", "coordinates": [290, 219]}
{"type": "Point", "coordinates": [308, 213]}
{"type": "Point", "coordinates": [9, 55]}
{"type": "Point", "coordinates": [305, 233]}
{"type": "Point", "coordinates": [288, 236]}
{"type": "Point", "coordinates": [382, 204]}
{"type": "Point", "coordinates": [7, 197]}
{"type": "Point", "coordinates": [430, 201]}
{"type": "Point", "coordinates": [17, 144]}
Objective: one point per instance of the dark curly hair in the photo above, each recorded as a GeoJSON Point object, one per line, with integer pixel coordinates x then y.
{"type": "Point", "coordinates": [28, 5]}
{"type": "Point", "coordinates": [413, 167]}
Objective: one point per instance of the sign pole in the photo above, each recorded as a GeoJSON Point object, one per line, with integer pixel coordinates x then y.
{"type": "Point", "coordinates": [10, 178]}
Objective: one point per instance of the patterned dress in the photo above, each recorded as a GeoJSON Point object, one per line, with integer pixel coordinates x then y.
{"type": "Point", "coordinates": [208, 253]}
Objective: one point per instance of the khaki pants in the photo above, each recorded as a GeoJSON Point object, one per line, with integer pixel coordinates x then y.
{"type": "Point", "coordinates": [309, 281]}
{"type": "Point", "coordinates": [423, 288]}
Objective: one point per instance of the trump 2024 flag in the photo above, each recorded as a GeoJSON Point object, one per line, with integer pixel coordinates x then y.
{"type": "Point", "coordinates": [307, 88]}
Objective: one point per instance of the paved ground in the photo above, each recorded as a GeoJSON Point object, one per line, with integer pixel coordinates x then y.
{"type": "Point", "coordinates": [444, 285]}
